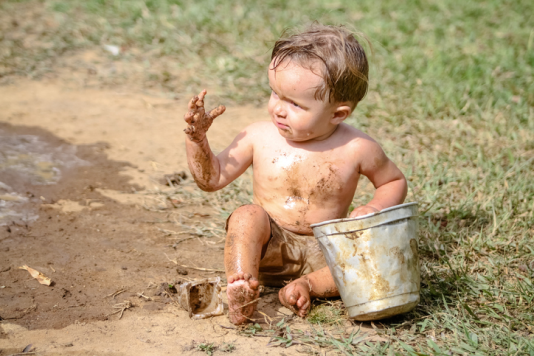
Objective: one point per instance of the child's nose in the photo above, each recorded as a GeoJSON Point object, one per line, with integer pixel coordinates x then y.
{"type": "Point", "coordinates": [279, 109]}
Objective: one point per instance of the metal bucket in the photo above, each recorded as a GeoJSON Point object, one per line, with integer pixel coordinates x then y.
{"type": "Point", "coordinates": [374, 261]}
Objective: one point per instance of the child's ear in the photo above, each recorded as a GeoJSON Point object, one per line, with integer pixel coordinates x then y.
{"type": "Point", "coordinates": [341, 113]}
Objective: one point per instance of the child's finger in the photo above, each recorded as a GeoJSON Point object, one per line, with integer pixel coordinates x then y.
{"type": "Point", "coordinates": [192, 103]}
{"type": "Point", "coordinates": [200, 101]}
{"type": "Point", "coordinates": [217, 111]}
{"type": "Point", "coordinates": [188, 117]}
{"type": "Point", "coordinates": [202, 95]}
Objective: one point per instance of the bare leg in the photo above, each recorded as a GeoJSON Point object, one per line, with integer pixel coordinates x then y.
{"type": "Point", "coordinates": [297, 294]}
{"type": "Point", "coordinates": [249, 231]}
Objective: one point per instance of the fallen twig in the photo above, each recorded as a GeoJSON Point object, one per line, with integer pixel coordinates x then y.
{"type": "Point", "coordinates": [203, 269]}
{"type": "Point", "coordinates": [227, 327]}
{"type": "Point", "coordinates": [122, 290]}
{"type": "Point", "coordinates": [197, 268]}
{"type": "Point", "coordinates": [122, 307]}
{"type": "Point", "coordinates": [141, 295]}
{"type": "Point", "coordinates": [170, 232]}
{"type": "Point", "coordinates": [182, 240]}
{"type": "Point", "coordinates": [252, 301]}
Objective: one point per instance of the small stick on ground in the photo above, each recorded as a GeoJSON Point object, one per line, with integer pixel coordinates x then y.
{"type": "Point", "coordinates": [203, 269]}
{"type": "Point", "coordinates": [122, 290]}
{"type": "Point", "coordinates": [197, 268]}
{"type": "Point", "coordinates": [182, 240]}
{"type": "Point", "coordinates": [252, 301]}
{"type": "Point", "coordinates": [141, 295]}
{"type": "Point", "coordinates": [122, 307]}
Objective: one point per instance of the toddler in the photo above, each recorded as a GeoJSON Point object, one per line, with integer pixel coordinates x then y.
{"type": "Point", "coordinates": [306, 165]}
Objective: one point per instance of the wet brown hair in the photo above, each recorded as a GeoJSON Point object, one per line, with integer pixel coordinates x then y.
{"type": "Point", "coordinates": [345, 69]}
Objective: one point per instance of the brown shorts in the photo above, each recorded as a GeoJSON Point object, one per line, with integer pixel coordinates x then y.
{"type": "Point", "coordinates": [288, 256]}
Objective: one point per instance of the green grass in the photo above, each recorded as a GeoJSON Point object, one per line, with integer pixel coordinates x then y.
{"type": "Point", "coordinates": [451, 101]}
{"type": "Point", "coordinates": [326, 313]}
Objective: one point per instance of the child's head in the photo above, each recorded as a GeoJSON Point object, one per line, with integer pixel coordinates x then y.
{"type": "Point", "coordinates": [317, 78]}
{"type": "Point", "coordinates": [342, 61]}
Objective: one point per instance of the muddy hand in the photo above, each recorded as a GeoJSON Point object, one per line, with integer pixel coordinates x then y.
{"type": "Point", "coordinates": [363, 210]}
{"type": "Point", "coordinates": [198, 120]}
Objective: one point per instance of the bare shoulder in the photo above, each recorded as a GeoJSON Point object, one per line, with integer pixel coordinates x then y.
{"type": "Point", "coordinates": [260, 131]}
{"type": "Point", "coordinates": [260, 127]}
{"type": "Point", "coordinates": [355, 139]}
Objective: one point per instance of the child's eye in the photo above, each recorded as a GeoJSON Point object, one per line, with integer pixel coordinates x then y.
{"type": "Point", "coordinates": [273, 93]}
{"type": "Point", "coordinates": [295, 104]}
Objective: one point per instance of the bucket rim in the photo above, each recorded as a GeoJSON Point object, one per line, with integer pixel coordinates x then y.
{"type": "Point", "coordinates": [395, 207]}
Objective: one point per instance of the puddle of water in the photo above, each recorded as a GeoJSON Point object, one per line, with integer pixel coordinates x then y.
{"type": "Point", "coordinates": [11, 207]}
{"type": "Point", "coordinates": [30, 159]}
{"type": "Point", "coordinates": [36, 159]}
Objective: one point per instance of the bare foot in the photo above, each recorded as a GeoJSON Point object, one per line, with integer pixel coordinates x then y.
{"type": "Point", "coordinates": [243, 292]}
{"type": "Point", "coordinates": [296, 296]}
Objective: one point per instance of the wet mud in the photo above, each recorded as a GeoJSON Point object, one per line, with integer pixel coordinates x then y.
{"type": "Point", "coordinates": [90, 253]}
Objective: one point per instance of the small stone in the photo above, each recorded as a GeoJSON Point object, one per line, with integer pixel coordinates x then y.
{"type": "Point", "coordinates": [182, 271]}
{"type": "Point", "coordinates": [124, 268]}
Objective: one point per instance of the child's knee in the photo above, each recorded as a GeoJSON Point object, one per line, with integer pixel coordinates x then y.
{"type": "Point", "coordinates": [250, 213]}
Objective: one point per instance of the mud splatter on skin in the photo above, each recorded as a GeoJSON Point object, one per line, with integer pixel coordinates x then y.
{"type": "Point", "coordinates": [303, 193]}
{"type": "Point", "coordinates": [230, 241]}
{"type": "Point", "coordinates": [203, 166]}
{"type": "Point", "coordinates": [329, 292]}
{"type": "Point", "coordinates": [241, 304]}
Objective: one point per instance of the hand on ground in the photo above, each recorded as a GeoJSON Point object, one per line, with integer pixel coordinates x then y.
{"type": "Point", "coordinates": [198, 120]}
{"type": "Point", "coordinates": [363, 210]}
{"type": "Point", "coordinates": [243, 294]}
{"type": "Point", "coordinates": [296, 296]}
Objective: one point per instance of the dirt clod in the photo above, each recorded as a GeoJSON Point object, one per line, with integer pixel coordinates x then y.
{"type": "Point", "coordinates": [174, 178]}
{"type": "Point", "coordinates": [182, 271]}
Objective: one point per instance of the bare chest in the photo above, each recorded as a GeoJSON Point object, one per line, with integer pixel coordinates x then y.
{"type": "Point", "coordinates": [298, 176]}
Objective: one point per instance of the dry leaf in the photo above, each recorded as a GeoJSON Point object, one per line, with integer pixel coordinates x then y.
{"type": "Point", "coordinates": [41, 278]}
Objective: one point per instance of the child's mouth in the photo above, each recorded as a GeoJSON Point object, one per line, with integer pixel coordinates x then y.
{"type": "Point", "coordinates": [281, 126]}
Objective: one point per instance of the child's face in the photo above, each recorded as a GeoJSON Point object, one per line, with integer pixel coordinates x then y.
{"type": "Point", "coordinates": [293, 108]}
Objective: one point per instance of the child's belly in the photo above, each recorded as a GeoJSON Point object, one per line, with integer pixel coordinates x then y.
{"type": "Point", "coordinates": [295, 213]}
{"type": "Point", "coordinates": [302, 189]}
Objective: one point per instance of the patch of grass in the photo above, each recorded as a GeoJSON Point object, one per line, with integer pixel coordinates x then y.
{"type": "Point", "coordinates": [227, 347]}
{"type": "Point", "coordinates": [326, 313]}
{"type": "Point", "coordinates": [207, 347]}
{"type": "Point", "coordinates": [451, 101]}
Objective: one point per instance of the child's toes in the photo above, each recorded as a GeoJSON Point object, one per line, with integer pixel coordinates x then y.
{"type": "Point", "coordinates": [303, 305]}
{"type": "Point", "coordinates": [253, 283]}
{"type": "Point", "coordinates": [302, 302]}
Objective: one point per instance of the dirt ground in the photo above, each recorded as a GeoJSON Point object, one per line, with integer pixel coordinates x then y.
{"type": "Point", "coordinates": [77, 159]}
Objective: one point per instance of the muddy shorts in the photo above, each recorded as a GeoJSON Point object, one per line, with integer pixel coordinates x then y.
{"type": "Point", "coordinates": [288, 256]}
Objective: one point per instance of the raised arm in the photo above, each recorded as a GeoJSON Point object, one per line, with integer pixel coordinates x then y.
{"type": "Point", "coordinates": [390, 183]}
{"type": "Point", "coordinates": [209, 171]}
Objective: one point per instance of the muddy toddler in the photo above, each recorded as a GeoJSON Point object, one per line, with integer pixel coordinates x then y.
{"type": "Point", "coordinates": [306, 166]}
